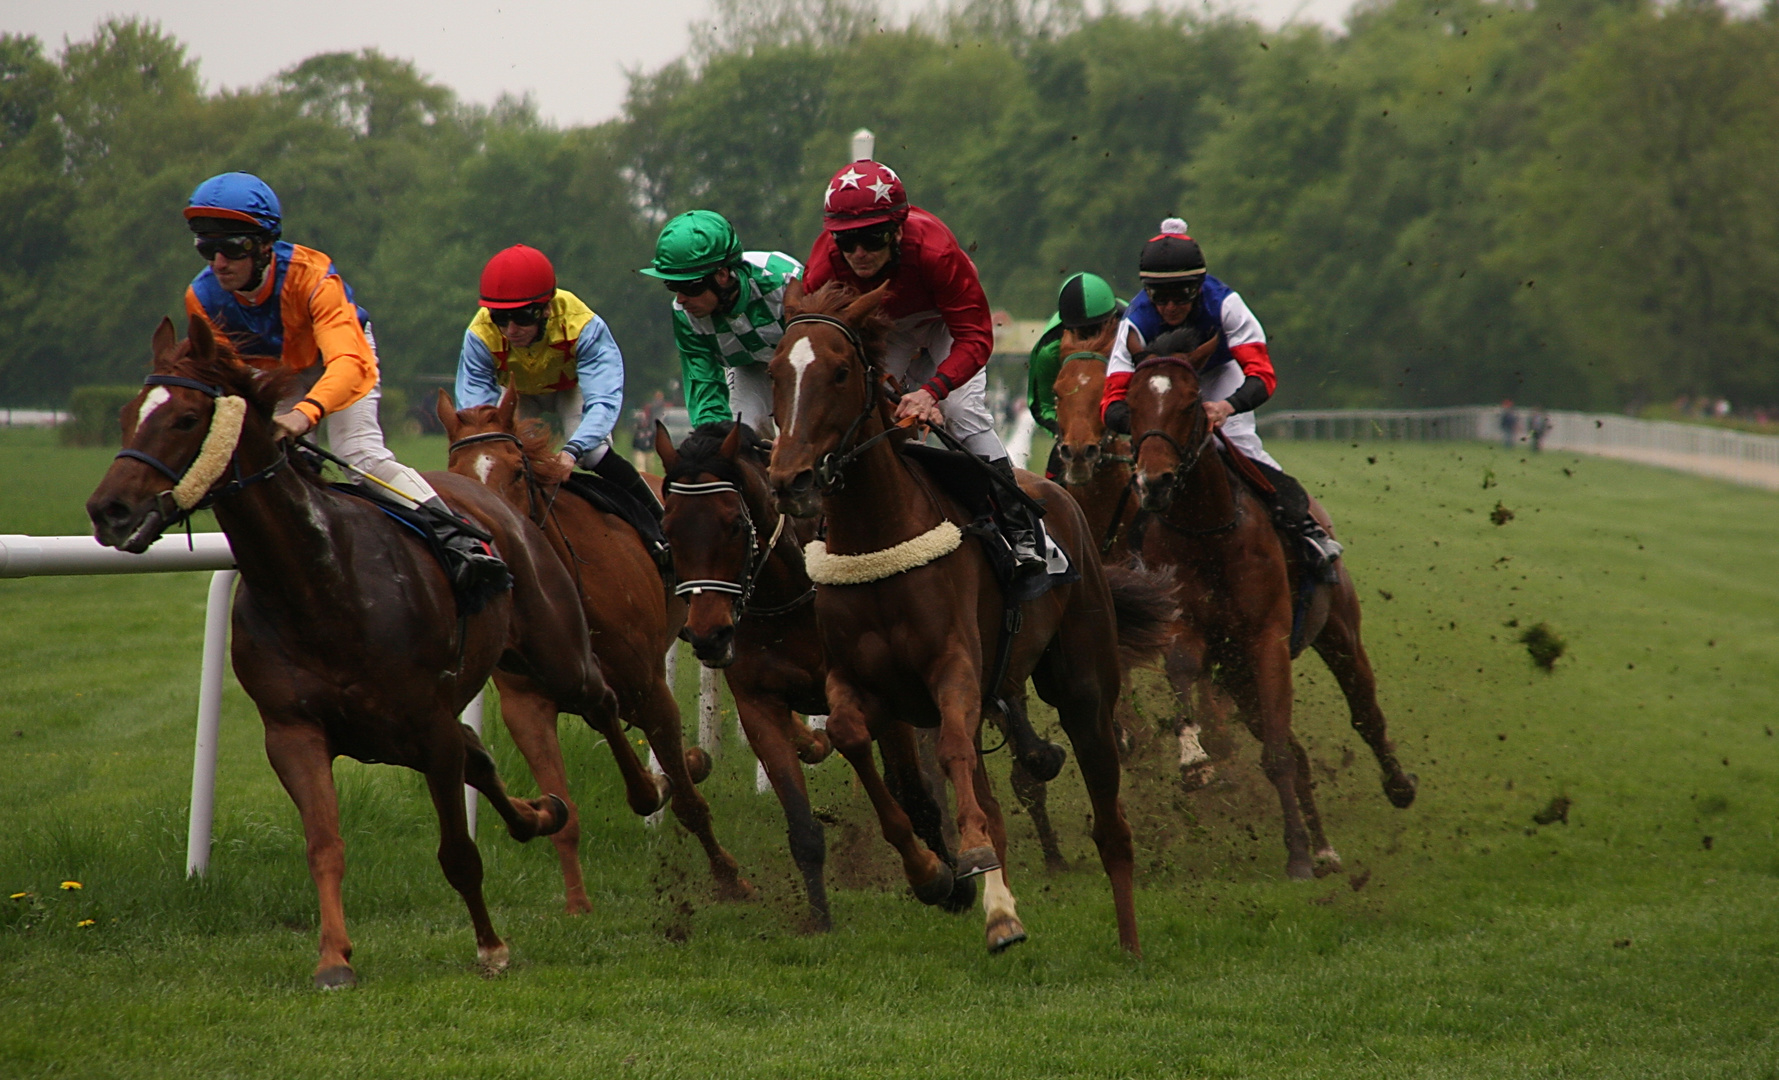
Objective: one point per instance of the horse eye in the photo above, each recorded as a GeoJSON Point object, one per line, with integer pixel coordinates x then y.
{"type": "Point", "coordinates": [185, 423]}
{"type": "Point", "coordinates": [840, 376]}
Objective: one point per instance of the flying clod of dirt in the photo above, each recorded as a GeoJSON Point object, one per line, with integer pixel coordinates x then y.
{"type": "Point", "coordinates": [1501, 515]}
{"type": "Point", "coordinates": [1558, 810]}
{"type": "Point", "coordinates": [1543, 646]}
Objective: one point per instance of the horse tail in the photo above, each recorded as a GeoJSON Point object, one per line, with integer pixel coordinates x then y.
{"type": "Point", "coordinates": [1146, 606]}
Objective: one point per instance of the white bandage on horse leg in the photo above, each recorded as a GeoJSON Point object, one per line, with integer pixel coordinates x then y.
{"type": "Point", "coordinates": [1191, 751]}
{"type": "Point", "coordinates": [997, 899]}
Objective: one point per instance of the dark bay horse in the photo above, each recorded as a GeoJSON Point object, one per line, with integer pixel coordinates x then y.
{"type": "Point", "coordinates": [1097, 472]}
{"type": "Point", "coordinates": [346, 633]}
{"type": "Point", "coordinates": [631, 618]}
{"type": "Point", "coordinates": [1237, 583]}
{"type": "Point", "coordinates": [911, 616]}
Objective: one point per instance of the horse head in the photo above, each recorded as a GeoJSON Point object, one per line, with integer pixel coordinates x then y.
{"type": "Point", "coordinates": [1169, 429]}
{"type": "Point", "coordinates": [489, 444]}
{"type": "Point", "coordinates": [721, 527]}
{"type": "Point", "coordinates": [199, 410]}
{"type": "Point", "coordinates": [1083, 442]}
{"type": "Point", "coordinates": [824, 392]}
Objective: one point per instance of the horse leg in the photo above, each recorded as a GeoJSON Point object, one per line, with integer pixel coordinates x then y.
{"type": "Point", "coordinates": [458, 855]}
{"type": "Point", "coordinates": [770, 730]}
{"type": "Point", "coordinates": [1033, 795]}
{"type": "Point", "coordinates": [531, 720]}
{"type": "Point", "coordinates": [526, 819]}
{"type": "Point", "coordinates": [929, 875]}
{"type": "Point", "coordinates": [305, 766]}
{"type": "Point", "coordinates": [1342, 650]}
{"type": "Point", "coordinates": [957, 694]}
{"type": "Point", "coordinates": [911, 771]}
{"type": "Point", "coordinates": [1263, 691]}
{"type": "Point", "coordinates": [644, 792]}
{"type": "Point", "coordinates": [658, 717]}
{"type": "Point", "coordinates": [1000, 911]}
{"type": "Point", "coordinates": [1185, 673]}
{"type": "Point", "coordinates": [1327, 859]}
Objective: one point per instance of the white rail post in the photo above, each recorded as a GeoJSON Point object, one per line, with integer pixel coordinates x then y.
{"type": "Point", "coordinates": [472, 719]}
{"type": "Point", "coordinates": [203, 764]}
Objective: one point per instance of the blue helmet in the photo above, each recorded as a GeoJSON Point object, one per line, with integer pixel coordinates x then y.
{"type": "Point", "coordinates": [237, 196]}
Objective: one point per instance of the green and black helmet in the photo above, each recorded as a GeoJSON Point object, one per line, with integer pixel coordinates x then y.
{"type": "Point", "coordinates": [1084, 300]}
{"type": "Point", "coordinates": [694, 245]}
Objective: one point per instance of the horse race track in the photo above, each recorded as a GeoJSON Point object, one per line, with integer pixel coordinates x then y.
{"type": "Point", "coordinates": [1641, 938]}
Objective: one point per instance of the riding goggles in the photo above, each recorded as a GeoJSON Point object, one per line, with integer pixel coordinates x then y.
{"type": "Point", "coordinates": [1183, 292]}
{"type": "Point", "coordinates": [871, 238]}
{"type": "Point", "coordinates": [694, 287]}
{"type": "Point", "coordinates": [529, 315]}
{"type": "Point", "coordinates": [230, 247]}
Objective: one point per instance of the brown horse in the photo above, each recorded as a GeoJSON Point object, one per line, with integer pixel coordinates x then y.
{"type": "Point", "coordinates": [1237, 585]}
{"type": "Point", "coordinates": [1096, 470]}
{"type": "Point", "coordinates": [346, 633]}
{"type": "Point", "coordinates": [632, 621]}
{"type": "Point", "coordinates": [911, 617]}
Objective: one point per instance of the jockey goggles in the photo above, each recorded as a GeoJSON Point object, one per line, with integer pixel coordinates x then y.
{"type": "Point", "coordinates": [1175, 292]}
{"type": "Point", "coordinates": [694, 287]}
{"type": "Point", "coordinates": [871, 238]}
{"type": "Point", "coordinates": [230, 247]}
{"type": "Point", "coordinates": [529, 315]}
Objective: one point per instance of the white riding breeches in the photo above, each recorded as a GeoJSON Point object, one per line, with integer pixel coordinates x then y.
{"type": "Point", "coordinates": [913, 353]}
{"type": "Point", "coordinates": [355, 434]}
{"type": "Point", "coordinates": [750, 397]}
{"type": "Point", "coordinates": [1217, 385]}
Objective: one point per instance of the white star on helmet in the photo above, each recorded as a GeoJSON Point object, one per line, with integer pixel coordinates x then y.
{"type": "Point", "coordinates": [889, 172]}
{"type": "Point", "coordinates": [848, 179]}
{"type": "Point", "coordinates": [882, 191]}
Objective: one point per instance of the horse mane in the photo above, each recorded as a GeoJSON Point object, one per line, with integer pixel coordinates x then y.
{"type": "Point", "coordinates": [702, 453]}
{"type": "Point", "coordinates": [263, 388]}
{"type": "Point", "coordinates": [534, 442]}
{"type": "Point", "coordinates": [832, 300]}
{"type": "Point", "coordinates": [1176, 342]}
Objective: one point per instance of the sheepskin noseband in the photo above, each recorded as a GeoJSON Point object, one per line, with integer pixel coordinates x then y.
{"type": "Point", "coordinates": [214, 456]}
{"type": "Point", "coordinates": [825, 569]}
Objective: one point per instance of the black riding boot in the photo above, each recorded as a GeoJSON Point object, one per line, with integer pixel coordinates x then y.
{"type": "Point", "coordinates": [1016, 521]}
{"type": "Point", "coordinates": [476, 572]}
{"type": "Point", "coordinates": [1291, 514]}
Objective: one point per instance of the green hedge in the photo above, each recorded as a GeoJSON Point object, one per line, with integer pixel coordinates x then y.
{"type": "Point", "coordinates": [94, 419]}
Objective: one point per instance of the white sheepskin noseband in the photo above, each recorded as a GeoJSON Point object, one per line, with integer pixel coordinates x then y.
{"type": "Point", "coordinates": [215, 454]}
{"type": "Point", "coordinates": [825, 569]}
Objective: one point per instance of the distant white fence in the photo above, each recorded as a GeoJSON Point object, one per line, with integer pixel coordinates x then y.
{"type": "Point", "coordinates": [1696, 448]}
{"type": "Point", "coordinates": [32, 417]}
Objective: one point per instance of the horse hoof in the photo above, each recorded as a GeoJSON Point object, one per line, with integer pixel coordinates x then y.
{"type": "Point", "coordinates": [939, 889]}
{"type": "Point", "coordinates": [338, 977]}
{"type": "Point", "coordinates": [1003, 934]}
{"type": "Point", "coordinates": [665, 787]}
{"type": "Point", "coordinates": [578, 905]}
{"type": "Point", "coordinates": [697, 763]}
{"type": "Point", "coordinates": [1300, 870]}
{"type": "Point", "coordinates": [817, 750]}
{"type": "Point", "coordinates": [1044, 763]}
{"type": "Point", "coordinates": [1197, 776]}
{"type": "Point", "coordinates": [1054, 863]}
{"type": "Point", "coordinates": [558, 813]}
{"type": "Point", "coordinates": [977, 861]}
{"type": "Point", "coordinates": [735, 889]}
{"type": "Point", "coordinates": [962, 898]}
{"type": "Point", "coordinates": [1400, 790]}
{"type": "Point", "coordinates": [494, 961]}
{"type": "Point", "coordinates": [1328, 862]}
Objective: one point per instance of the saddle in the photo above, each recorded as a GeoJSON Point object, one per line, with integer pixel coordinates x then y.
{"type": "Point", "coordinates": [609, 498]}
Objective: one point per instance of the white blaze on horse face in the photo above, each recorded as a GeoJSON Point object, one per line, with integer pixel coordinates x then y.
{"type": "Point", "coordinates": [1159, 385]}
{"type": "Point", "coordinates": [802, 355]}
{"type": "Point", "coordinates": [997, 899]}
{"type": "Point", "coordinates": [155, 399]}
{"type": "Point", "coordinates": [484, 466]}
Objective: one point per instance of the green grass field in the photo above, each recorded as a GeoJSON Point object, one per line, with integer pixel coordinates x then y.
{"type": "Point", "coordinates": [1640, 939]}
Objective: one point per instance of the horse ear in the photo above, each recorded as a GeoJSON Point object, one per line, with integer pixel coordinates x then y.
{"type": "Point", "coordinates": [203, 340]}
{"type": "Point", "coordinates": [507, 409]}
{"type": "Point", "coordinates": [856, 311]}
{"type": "Point", "coordinates": [664, 447]}
{"type": "Point", "coordinates": [732, 442]}
{"type": "Point", "coordinates": [164, 340]}
{"type": "Point", "coordinates": [1198, 356]}
{"type": "Point", "coordinates": [448, 414]}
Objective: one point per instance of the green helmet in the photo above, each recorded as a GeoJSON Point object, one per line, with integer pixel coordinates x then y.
{"type": "Point", "coordinates": [1083, 300]}
{"type": "Point", "coordinates": [693, 245]}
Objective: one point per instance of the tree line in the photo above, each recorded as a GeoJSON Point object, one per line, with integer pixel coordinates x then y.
{"type": "Point", "coordinates": [1569, 202]}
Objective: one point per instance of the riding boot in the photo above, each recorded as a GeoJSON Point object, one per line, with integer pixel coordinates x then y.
{"type": "Point", "coordinates": [1020, 529]}
{"type": "Point", "coordinates": [620, 474]}
{"type": "Point", "coordinates": [474, 568]}
{"type": "Point", "coordinates": [1290, 505]}
{"type": "Point", "coordinates": [1322, 548]}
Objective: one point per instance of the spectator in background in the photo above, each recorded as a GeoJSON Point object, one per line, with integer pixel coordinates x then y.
{"type": "Point", "coordinates": [1510, 424]}
{"type": "Point", "coordinates": [642, 436]}
{"type": "Point", "coordinates": [1537, 427]}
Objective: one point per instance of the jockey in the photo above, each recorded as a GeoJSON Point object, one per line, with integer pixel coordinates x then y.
{"type": "Point", "coordinates": [282, 305]}
{"type": "Point", "coordinates": [557, 355]}
{"type": "Point", "coordinates": [728, 316]}
{"type": "Point", "coordinates": [942, 333]}
{"type": "Point", "coordinates": [1238, 378]}
{"type": "Point", "coordinates": [1083, 305]}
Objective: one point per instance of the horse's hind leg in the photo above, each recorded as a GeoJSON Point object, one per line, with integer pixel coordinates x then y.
{"type": "Point", "coordinates": [458, 856]}
{"type": "Point", "coordinates": [299, 754]}
{"type": "Point", "coordinates": [531, 720]}
{"type": "Point", "coordinates": [1327, 859]}
{"type": "Point", "coordinates": [768, 725]}
{"type": "Point", "coordinates": [525, 819]}
{"type": "Point", "coordinates": [658, 717]}
{"type": "Point", "coordinates": [1262, 689]}
{"type": "Point", "coordinates": [1033, 795]}
{"type": "Point", "coordinates": [1342, 650]}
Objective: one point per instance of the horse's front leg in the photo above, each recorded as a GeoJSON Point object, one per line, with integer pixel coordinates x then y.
{"type": "Point", "coordinates": [1263, 690]}
{"type": "Point", "coordinates": [957, 691]}
{"type": "Point", "coordinates": [305, 766]}
{"type": "Point", "coordinates": [1196, 694]}
{"type": "Point", "coordinates": [769, 726]}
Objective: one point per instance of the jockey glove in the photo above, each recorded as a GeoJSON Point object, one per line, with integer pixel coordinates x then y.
{"type": "Point", "coordinates": [1118, 417]}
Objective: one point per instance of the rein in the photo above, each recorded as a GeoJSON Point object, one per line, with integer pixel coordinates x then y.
{"type": "Point", "coordinates": [757, 556]}
{"type": "Point", "coordinates": [194, 488]}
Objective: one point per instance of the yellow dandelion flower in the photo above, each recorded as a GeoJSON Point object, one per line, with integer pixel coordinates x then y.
{"type": "Point", "coordinates": [85, 922]}
{"type": "Point", "coordinates": [20, 895]}
{"type": "Point", "coordinates": [69, 885]}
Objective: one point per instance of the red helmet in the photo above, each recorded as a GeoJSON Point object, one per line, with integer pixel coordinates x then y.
{"type": "Point", "coordinates": [864, 193]}
{"type": "Point", "coordinates": [516, 277]}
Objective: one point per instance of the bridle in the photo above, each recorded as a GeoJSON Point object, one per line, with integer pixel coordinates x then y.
{"type": "Point", "coordinates": [1108, 437]}
{"type": "Point", "coordinates": [524, 464]}
{"type": "Point", "coordinates": [1199, 434]}
{"type": "Point", "coordinates": [830, 470]}
{"type": "Point", "coordinates": [173, 508]}
{"type": "Point", "coordinates": [757, 555]}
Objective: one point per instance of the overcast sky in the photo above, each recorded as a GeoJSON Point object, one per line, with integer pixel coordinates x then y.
{"type": "Point", "coordinates": [570, 55]}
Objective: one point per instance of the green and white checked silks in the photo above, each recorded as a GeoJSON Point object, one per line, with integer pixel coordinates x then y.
{"type": "Point", "coordinates": [745, 335]}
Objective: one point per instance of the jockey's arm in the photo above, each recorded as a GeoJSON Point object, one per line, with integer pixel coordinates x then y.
{"type": "Point", "coordinates": [957, 290]}
{"type": "Point", "coordinates": [1040, 383]}
{"type": "Point", "coordinates": [1247, 345]}
{"type": "Point", "coordinates": [701, 376]}
{"type": "Point", "coordinates": [477, 383]}
{"type": "Point", "coordinates": [349, 369]}
{"type": "Point", "coordinates": [599, 368]}
{"type": "Point", "coordinates": [1119, 366]}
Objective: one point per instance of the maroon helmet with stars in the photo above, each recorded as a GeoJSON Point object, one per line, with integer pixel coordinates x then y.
{"type": "Point", "coordinates": [864, 193]}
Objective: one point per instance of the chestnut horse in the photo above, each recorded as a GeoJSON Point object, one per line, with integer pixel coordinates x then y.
{"type": "Point", "coordinates": [632, 621]}
{"type": "Point", "coordinates": [346, 633]}
{"type": "Point", "coordinates": [1237, 584]}
{"type": "Point", "coordinates": [913, 616]}
{"type": "Point", "coordinates": [1096, 470]}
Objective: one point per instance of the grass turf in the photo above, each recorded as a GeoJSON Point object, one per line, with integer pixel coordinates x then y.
{"type": "Point", "coordinates": [1639, 939]}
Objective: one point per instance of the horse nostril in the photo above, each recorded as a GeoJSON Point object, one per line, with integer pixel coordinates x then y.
{"type": "Point", "coordinates": [1092, 451]}
{"type": "Point", "coordinates": [1065, 452]}
{"type": "Point", "coordinates": [115, 513]}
